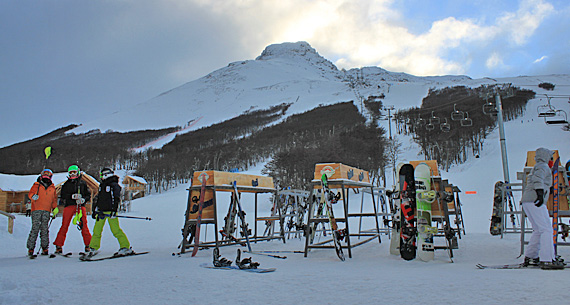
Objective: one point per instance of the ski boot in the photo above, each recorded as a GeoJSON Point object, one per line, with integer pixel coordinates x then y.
{"type": "Point", "coordinates": [90, 252]}
{"type": "Point", "coordinates": [45, 251]}
{"type": "Point", "coordinates": [553, 265]}
{"type": "Point", "coordinates": [58, 250]}
{"type": "Point", "coordinates": [531, 261]}
{"type": "Point", "coordinates": [220, 262]}
{"type": "Point", "coordinates": [124, 252]}
{"type": "Point", "coordinates": [31, 253]}
{"type": "Point", "coordinates": [246, 263]}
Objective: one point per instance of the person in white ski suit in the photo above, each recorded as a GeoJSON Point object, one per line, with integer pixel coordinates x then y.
{"type": "Point", "coordinates": [534, 198]}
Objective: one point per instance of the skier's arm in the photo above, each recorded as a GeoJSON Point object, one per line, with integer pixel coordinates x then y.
{"type": "Point", "coordinates": [116, 196]}
{"type": "Point", "coordinates": [34, 190]}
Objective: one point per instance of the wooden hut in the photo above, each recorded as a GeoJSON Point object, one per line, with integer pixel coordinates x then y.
{"type": "Point", "coordinates": [134, 187]}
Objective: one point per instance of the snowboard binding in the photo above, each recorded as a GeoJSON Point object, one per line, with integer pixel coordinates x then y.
{"type": "Point", "coordinates": [246, 263]}
{"type": "Point", "coordinates": [220, 262]}
{"type": "Point", "coordinates": [332, 197]}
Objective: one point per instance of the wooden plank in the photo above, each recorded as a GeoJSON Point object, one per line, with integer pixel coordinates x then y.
{"type": "Point", "coordinates": [208, 207]}
{"type": "Point", "coordinates": [563, 204]}
{"type": "Point", "coordinates": [340, 171]}
{"type": "Point", "coordinates": [530, 157]}
{"type": "Point", "coordinates": [218, 178]}
{"type": "Point", "coordinates": [431, 163]}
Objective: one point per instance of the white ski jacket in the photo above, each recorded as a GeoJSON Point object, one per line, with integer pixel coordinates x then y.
{"type": "Point", "coordinates": [540, 176]}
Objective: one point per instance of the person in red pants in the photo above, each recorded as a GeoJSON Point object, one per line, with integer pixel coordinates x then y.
{"type": "Point", "coordinates": [74, 193]}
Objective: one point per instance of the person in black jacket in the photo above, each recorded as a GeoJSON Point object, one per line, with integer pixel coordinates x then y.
{"type": "Point", "coordinates": [74, 193]}
{"type": "Point", "coordinates": [105, 207]}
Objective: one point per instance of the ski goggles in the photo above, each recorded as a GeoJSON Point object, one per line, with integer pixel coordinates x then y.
{"type": "Point", "coordinates": [73, 173]}
{"type": "Point", "coordinates": [47, 172]}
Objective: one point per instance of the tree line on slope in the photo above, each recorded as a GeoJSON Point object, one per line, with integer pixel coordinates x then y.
{"type": "Point", "coordinates": [453, 143]}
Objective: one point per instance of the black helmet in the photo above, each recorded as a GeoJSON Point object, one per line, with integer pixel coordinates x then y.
{"type": "Point", "coordinates": [106, 173]}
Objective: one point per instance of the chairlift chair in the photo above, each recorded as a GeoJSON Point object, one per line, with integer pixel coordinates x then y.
{"type": "Point", "coordinates": [445, 127]}
{"type": "Point", "coordinates": [456, 115]}
{"type": "Point", "coordinates": [560, 118]}
{"type": "Point", "coordinates": [466, 122]}
{"type": "Point", "coordinates": [546, 111]}
{"type": "Point", "coordinates": [420, 121]}
{"type": "Point", "coordinates": [434, 120]}
{"type": "Point", "coordinates": [489, 108]}
{"type": "Point", "coordinates": [430, 126]}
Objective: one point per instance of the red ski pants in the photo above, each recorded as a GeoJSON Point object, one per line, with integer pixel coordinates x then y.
{"type": "Point", "coordinates": [68, 213]}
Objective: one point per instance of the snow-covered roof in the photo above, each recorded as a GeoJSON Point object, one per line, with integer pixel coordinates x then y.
{"type": "Point", "coordinates": [18, 183]}
{"type": "Point", "coordinates": [137, 179]}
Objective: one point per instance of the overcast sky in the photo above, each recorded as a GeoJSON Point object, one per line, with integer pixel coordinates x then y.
{"type": "Point", "coordinates": [66, 61]}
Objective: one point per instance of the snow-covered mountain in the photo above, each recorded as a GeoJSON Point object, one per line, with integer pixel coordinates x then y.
{"type": "Point", "coordinates": [283, 73]}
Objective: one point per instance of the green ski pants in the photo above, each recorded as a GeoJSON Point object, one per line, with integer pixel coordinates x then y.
{"type": "Point", "coordinates": [115, 229]}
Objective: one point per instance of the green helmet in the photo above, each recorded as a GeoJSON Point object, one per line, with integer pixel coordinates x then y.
{"type": "Point", "coordinates": [74, 168]}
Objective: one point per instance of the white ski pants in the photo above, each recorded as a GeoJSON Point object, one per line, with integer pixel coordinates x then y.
{"type": "Point", "coordinates": [541, 243]}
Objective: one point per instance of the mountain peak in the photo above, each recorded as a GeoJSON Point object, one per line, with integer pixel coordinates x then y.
{"type": "Point", "coordinates": [294, 50]}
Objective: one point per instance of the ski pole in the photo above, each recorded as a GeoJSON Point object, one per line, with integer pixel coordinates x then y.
{"type": "Point", "coordinates": [133, 217]}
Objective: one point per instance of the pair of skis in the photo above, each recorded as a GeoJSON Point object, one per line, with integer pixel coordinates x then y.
{"type": "Point", "coordinates": [326, 199]}
{"type": "Point", "coordinates": [86, 258]}
{"type": "Point", "coordinates": [510, 266]}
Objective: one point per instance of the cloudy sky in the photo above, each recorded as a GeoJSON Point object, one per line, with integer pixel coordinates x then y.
{"type": "Point", "coordinates": [66, 61]}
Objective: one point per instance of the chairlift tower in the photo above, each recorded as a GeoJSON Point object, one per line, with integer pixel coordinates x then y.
{"type": "Point", "coordinates": [507, 92]}
{"type": "Point", "coordinates": [502, 136]}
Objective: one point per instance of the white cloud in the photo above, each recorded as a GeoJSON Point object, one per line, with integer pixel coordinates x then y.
{"type": "Point", "coordinates": [494, 61]}
{"type": "Point", "coordinates": [367, 32]}
{"type": "Point", "coordinates": [540, 59]}
{"type": "Point", "coordinates": [520, 26]}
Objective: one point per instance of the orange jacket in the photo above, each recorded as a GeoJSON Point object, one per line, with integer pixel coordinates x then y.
{"type": "Point", "coordinates": [47, 200]}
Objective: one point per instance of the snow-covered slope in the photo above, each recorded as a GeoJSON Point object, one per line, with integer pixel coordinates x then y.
{"type": "Point", "coordinates": [284, 73]}
{"type": "Point", "coordinates": [372, 276]}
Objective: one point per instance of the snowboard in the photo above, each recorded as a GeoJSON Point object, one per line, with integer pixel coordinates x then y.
{"type": "Point", "coordinates": [395, 205]}
{"type": "Point", "coordinates": [497, 216]}
{"type": "Point", "coordinates": [204, 178]}
{"type": "Point", "coordinates": [395, 237]}
{"type": "Point", "coordinates": [424, 197]}
{"type": "Point", "coordinates": [257, 270]}
{"type": "Point", "coordinates": [407, 213]}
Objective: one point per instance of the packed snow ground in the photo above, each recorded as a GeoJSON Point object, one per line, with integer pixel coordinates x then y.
{"type": "Point", "coordinates": [371, 276]}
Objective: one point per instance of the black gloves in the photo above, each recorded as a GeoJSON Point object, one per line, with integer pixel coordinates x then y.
{"type": "Point", "coordinates": [540, 198]}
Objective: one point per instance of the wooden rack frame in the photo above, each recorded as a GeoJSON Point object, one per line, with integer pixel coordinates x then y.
{"type": "Point", "coordinates": [216, 184]}
{"type": "Point", "coordinates": [344, 185]}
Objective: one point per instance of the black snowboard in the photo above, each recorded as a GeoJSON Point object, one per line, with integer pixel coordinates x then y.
{"type": "Point", "coordinates": [407, 213]}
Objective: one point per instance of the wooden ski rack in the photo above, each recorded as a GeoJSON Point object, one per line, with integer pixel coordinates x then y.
{"type": "Point", "coordinates": [341, 177]}
{"type": "Point", "coordinates": [223, 181]}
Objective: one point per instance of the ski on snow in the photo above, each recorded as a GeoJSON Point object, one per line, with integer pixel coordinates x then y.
{"type": "Point", "coordinates": [510, 266]}
{"type": "Point", "coordinates": [87, 259]}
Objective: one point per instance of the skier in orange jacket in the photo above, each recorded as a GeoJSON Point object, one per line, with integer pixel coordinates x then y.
{"type": "Point", "coordinates": [44, 206]}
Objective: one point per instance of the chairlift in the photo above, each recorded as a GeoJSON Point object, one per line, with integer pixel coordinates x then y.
{"type": "Point", "coordinates": [466, 122]}
{"type": "Point", "coordinates": [430, 126]}
{"type": "Point", "coordinates": [489, 108]}
{"type": "Point", "coordinates": [420, 121]}
{"type": "Point", "coordinates": [445, 127]}
{"type": "Point", "coordinates": [434, 120]}
{"type": "Point", "coordinates": [456, 115]}
{"type": "Point", "coordinates": [560, 118]}
{"type": "Point", "coordinates": [546, 111]}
